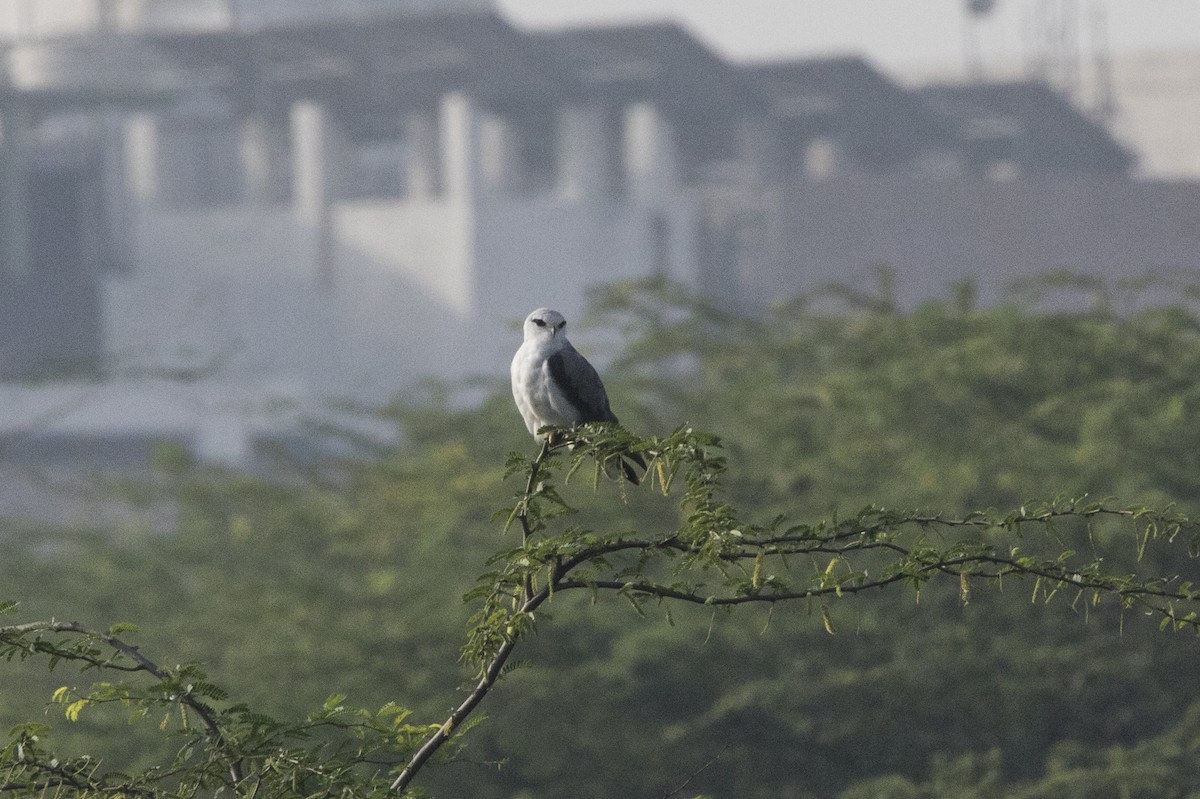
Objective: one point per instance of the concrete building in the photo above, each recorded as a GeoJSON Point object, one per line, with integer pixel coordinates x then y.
{"type": "Point", "coordinates": [38, 20]}
{"type": "Point", "coordinates": [988, 183]}
{"type": "Point", "coordinates": [1149, 102]}
{"type": "Point", "coordinates": [316, 198]}
{"type": "Point", "coordinates": [358, 202]}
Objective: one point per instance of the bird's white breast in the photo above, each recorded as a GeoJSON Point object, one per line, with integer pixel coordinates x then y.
{"type": "Point", "coordinates": [538, 399]}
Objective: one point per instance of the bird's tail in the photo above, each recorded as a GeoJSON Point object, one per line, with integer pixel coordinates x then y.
{"type": "Point", "coordinates": [626, 465]}
{"type": "Point", "coordinates": [616, 458]}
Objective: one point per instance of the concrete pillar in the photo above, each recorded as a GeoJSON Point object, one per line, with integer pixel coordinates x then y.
{"type": "Point", "coordinates": [130, 14]}
{"type": "Point", "coordinates": [822, 159]}
{"type": "Point", "coordinates": [15, 247]}
{"type": "Point", "coordinates": [141, 158]}
{"type": "Point", "coordinates": [460, 147]}
{"type": "Point", "coordinates": [653, 185]}
{"type": "Point", "coordinates": [314, 151]}
{"type": "Point", "coordinates": [422, 177]}
{"type": "Point", "coordinates": [651, 164]}
{"type": "Point", "coordinates": [498, 163]}
{"type": "Point", "coordinates": [316, 146]}
{"type": "Point", "coordinates": [583, 172]}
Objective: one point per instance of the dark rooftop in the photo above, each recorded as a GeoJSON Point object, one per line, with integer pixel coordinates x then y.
{"type": "Point", "coordinates": [880, 122]}
{"type": "Point", "coordinates": [1029, 124]}
{"type": "Point", "coordinates": [660, 61]}
{"type": "Point", "coordinates": [382, 63]}
{"type": "Point", "coordinates": [89, 73]}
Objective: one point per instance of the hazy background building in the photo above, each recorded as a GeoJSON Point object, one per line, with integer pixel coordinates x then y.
{"type": "Point", "coordinates": [212, 210]}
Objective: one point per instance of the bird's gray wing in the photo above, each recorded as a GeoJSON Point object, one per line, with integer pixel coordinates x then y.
{"type": "Point", "coordinates": [580, 385]}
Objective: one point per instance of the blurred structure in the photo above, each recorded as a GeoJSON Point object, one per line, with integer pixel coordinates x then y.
{"type": "Point", "coordinates": [987, 182]}
{"type": "Point", "coordinates": [359, 201]}
{"type": "Point", "coordinates": [976, 11]}
{"type": "Point", "coordinates": [1009, 129]}
{"type": "Point", "coordinates": [1158, 107]}
{"type": "Point", "coordinates": [338, 197]}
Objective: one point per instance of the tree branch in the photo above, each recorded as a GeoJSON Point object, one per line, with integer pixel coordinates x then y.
{"type": "Point", "coordinates": [523, 514]}
{"type": "Point", "coordinates": [11, 635]}
{"type": "Point", "coordinates": [703, 767]}
{"type": "Point", "coordinates": [712, 535]}
{"type": "Point", "coordinates": [490, 674]}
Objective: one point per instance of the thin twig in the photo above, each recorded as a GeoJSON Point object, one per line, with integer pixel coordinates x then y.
{"type": "Point", "coordinates": [460, 714]}
{"type": "Point", "coordinates": [695, 773]}
{"type": "Point", "coordinates": [529, 603]}
{"type": "Point", "coordinates": [534, 467]}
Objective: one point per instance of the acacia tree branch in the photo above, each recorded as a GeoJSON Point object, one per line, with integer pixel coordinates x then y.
{"type": "Point", "coordinates": [13, 633]}
{"type": "Point", "coordinates": [523, 514]}
{"type": "Point", "coordinates": [535, 466]}
{"type": "Point", "coordinates": [873, 550]}
{"type": "Point", "coordinates": [495, 665]}
{"type": "Point", "coordinates": [873, 530]}
{"type": "Point", "coordinates": [976, 521]}
{"type": "Point", "coordinates": [703, 767]}
{"type": "Point", "coordinates": [55, 777]}
{"type": "Point", "coordinates": [491, 674]}
{"type": "Point", "coordinates": [1142, 594]}
{"type": "Point", "coordinates": [667, 592]}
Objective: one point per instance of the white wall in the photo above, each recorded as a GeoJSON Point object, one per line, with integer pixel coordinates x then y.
{"type": "Point", "coordinates": [404, 290]}
{"type": "Point", "coordinates": [229, 285]}
{"type": "Point", "coordinates": [238, 285]}
{"type": "Point", "coordinates": [550, 252]}
{"type": "Point", "coordinates": [426, 241]}
{"type": "Point", "coordinates": [364, 297]}
{"type": "Point", "coordinates": [418, 288]}
{"type": "Point", "coordinates": [30, 18]}
{"type": "Point", "coordinates": [45, 18]}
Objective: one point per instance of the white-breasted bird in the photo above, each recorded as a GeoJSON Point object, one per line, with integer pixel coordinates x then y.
{"type": "Point", "coordinates": [554, 385]}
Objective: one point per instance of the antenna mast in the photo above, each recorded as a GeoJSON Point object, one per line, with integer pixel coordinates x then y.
{"type": "Point", "coordinates": [1054, 39]}
{"type": "Point", "coordinates": [976, 11]}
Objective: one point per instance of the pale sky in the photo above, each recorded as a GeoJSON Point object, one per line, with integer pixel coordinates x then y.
{"type": "Point", "coordinates": [896, 34]}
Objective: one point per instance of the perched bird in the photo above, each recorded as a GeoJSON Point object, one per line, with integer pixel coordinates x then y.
{"type": "Point", "coordinates": [554, 385]}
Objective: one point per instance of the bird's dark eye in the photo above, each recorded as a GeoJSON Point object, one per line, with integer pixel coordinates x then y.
{"type": "Point", "coordinates": [540, 322]}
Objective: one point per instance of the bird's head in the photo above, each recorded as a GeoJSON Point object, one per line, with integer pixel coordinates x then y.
{"type": "Point", "coordinates": [544, 324]}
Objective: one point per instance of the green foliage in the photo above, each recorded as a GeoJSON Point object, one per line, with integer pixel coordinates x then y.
{"type": "Point", "coordinates": [827, 634]}
{"type": "Point", "coordinates": [1161, 768]}
{"type": "Point", "coordinates": [939, 407]}
{"type": "Point", "coordinates": [337, 749]}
